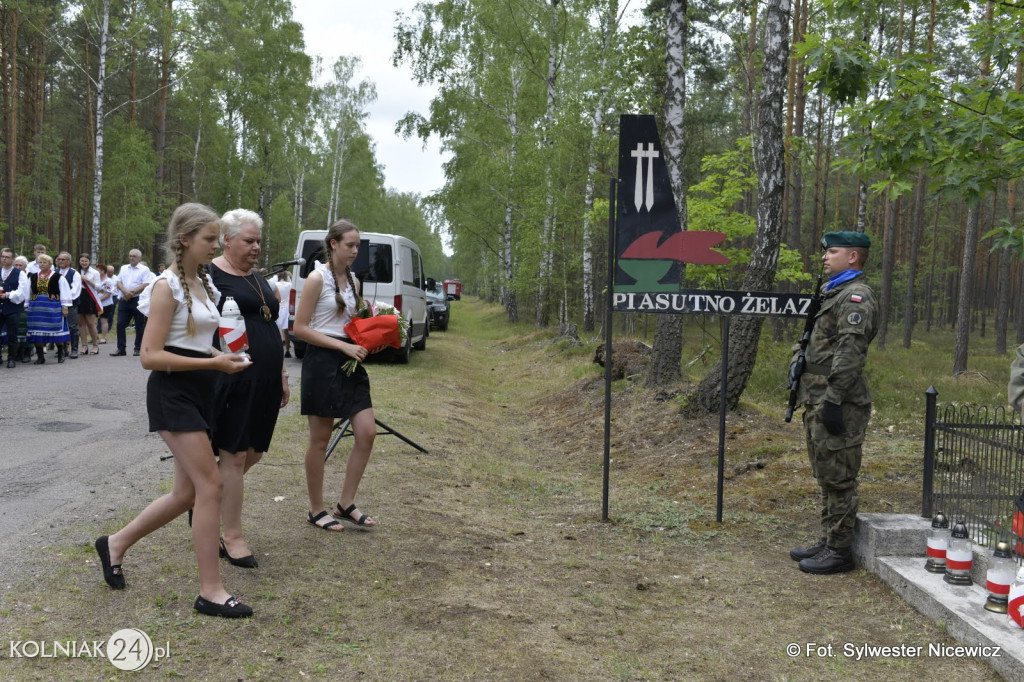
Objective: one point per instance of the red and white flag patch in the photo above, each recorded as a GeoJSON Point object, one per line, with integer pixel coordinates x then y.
{"type": "Point", "coordinates": [856, 298]}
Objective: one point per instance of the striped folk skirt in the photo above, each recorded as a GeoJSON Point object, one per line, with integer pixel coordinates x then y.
{"type": "Point", "coordinates": [46, 322]}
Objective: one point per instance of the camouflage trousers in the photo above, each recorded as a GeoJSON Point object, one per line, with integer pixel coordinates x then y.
{"type": "Point", "coordinates": [835, 464]}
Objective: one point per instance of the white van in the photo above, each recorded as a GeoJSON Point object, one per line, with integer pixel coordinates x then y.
{"type": "Point", "coordinates": [391, 271]}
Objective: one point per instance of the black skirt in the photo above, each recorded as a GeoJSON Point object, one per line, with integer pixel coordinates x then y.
{"type": "Point", "coordinates": [182, 401]}
{"type": "Point", "coordinates": [326, 391]}
{"type": "Point", "coordinates": [86, 306]}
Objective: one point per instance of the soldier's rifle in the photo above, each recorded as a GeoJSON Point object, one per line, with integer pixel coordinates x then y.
{"type": "Point", "coordinates": [799, 364]}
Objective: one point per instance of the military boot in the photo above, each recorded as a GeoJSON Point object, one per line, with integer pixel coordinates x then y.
{"type": "Point", "coordinates": [801, 553]}
{"type": "Point", "coordinates": [60, 353]}
{"type": "Point", "coordinates": [74, 347]}
{"type": "Point", "coordinates": [829, 561]}
{"type": "Point", "coordinates": [40, 358]}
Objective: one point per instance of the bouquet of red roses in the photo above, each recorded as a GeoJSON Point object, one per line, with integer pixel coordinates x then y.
{"type": "Point", "coordinates": [375, 326]}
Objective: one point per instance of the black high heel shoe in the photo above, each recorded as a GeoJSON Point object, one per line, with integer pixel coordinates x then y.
{"type": "Point", "coordinates": [241, 562]}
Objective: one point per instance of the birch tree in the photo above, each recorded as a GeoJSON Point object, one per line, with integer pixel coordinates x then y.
{"type": "Point", "coordinates": [666, 356]}
{"type": "Point", "coordinates": [745, 331]}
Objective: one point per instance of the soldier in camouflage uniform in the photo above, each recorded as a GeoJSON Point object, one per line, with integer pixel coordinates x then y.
{"type": "Point", "coordinates": [836, 400]}
{"type": "Point", "coordinates": [1015, 387]}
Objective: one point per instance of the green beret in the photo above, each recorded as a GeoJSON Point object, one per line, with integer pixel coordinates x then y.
{"type": "Point", "coordinates": [845, 238]}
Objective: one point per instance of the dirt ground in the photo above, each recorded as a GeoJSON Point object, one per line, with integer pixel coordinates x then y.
{"type": "Point", "coordinates": [491, 560]}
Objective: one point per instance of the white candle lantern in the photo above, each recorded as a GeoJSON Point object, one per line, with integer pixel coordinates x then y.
{"type": "Point", "coordinates": [959, 556]}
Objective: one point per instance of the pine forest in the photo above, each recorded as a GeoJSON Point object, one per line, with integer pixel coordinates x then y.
{"type": "Point", "coordinates": [780, 120]}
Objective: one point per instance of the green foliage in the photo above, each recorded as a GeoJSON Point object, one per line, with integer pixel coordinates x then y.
{"type": "Point", "coordinates": [841, 69]}
{"type": "Point", "coordinates": [129, 193]}
{"type": "Point", "coordinates": [964, 127]}
{"type": "Point", "coordinates": [713, 204]}
{"type": "Point", "coordinates": [1007, 236]}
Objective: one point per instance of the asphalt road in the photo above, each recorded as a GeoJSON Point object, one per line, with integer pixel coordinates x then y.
{"type": "Point", "coordinates": [75, 453]}
{"type": "Point", "coordinates": [72, 436]}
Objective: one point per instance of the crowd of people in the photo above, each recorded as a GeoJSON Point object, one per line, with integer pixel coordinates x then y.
{"type": "Point", "coordinates": [215, 409]}
{"type": "Point", "coordinates": [46, 304]}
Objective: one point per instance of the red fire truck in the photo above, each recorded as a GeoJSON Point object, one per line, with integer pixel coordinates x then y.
{"type": "Point", "coordinates": [453, 289]}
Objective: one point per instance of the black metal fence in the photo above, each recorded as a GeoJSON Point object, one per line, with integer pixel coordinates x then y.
{"type": "Point", "coordinates": [973, 467]}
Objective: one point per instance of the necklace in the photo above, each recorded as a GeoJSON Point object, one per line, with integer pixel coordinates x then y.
{"type": "Point", "coordinates": [264, 309]}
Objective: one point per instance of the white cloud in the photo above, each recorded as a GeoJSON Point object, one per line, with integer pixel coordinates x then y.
{"type": "Point", "coordinates": [333, 28]}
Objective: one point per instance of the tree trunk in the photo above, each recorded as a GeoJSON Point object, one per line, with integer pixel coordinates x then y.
{"type": "Point", "coordinates": [667, 354]}
{"type": "Point", "coordinates": [508, 293]}
{"type": "Point", "coordinates": [165, 86]}
{"type": "Point", "coordinates": [1005, 255]}
{"type": "Point", "coordinates": [892, 219]}
{"type": "Point", "coordinates": [964, 295]}
{"type": "Point", "coordinates": [596, 123]}
{"type": "Point", "coordinates": [916, 228]}
{"type": "Point", "coordinates": [745, 332]}
{"type": "Point", "coordinates": [11, 96]}
{"type": "Point", "coordinates": [97, 191]}
{"type": "Point", "coordinates": [543, 308]}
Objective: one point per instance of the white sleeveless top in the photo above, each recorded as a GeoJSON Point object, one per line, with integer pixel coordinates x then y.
{"type": "Point", "coordinates": [327, 319]}
{"type": "Point", "coordinates": [204, 313]}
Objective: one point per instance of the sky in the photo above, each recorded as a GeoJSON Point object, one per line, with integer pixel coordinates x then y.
{"type": "Point", "coordinates": [365, 29]}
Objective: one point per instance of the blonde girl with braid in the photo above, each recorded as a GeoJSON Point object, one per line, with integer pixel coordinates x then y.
{"type": "Point", "coordinates": [329, 299]}
{"type": "Point", "coordinates": [182, 308]}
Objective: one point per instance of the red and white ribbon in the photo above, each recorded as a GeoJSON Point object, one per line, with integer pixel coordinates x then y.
{"type": "Point", "coordinates": [232, 334]}
{"type": "Point", "coordinates": [1014, 608]}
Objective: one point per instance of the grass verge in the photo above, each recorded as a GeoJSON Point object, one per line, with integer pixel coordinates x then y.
{"type": "Point", "coordinates": [490, 560]}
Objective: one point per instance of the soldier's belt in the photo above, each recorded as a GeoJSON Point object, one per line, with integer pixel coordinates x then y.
{"type": "Point", "coordinates": [819, 370]}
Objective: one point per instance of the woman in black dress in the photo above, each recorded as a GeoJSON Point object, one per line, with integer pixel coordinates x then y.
{"type": "Point", "coordinates": [249, 402]}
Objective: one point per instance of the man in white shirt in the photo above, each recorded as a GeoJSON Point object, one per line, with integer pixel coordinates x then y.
{"type": "Point", "coordinates": [132, 280]}
{"type": "Point", "coordinates": [63, 263]}
{"type": "Point", "coordinates": [33, 266]}
{"type": "Point", "coordinates": [14, 291]}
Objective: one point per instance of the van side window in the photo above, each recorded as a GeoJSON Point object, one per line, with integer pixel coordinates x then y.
{"type": "Point", "coordinates": [409, 270]}
{"type": "Point", "coordinates": [417, 271]}
{"type": "Point", "coordinates": [380, 264]}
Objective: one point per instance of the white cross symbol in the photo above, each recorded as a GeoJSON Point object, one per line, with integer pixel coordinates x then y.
{"type": "Point", "coordinates": [641, 198]}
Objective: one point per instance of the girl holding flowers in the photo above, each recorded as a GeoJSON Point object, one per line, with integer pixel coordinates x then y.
{"type": "Point", "coordinates": [329, 301]}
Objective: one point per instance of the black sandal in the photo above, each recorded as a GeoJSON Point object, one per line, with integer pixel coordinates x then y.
{"type": "Point", "coordinates": [320, 521]}
{"type": "Point", "coordinates": [346, 514]}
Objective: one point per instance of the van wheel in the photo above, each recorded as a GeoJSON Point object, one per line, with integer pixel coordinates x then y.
{"type": "Point", "coordinates": [300, 348]}
{"type": "Point", "coordinates": [404, 354]}
{"type": "Point", "coordinates": [422, 343]}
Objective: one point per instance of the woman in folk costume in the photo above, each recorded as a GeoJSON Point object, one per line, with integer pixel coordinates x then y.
{"type": "Point", "coordinates": [48, 309]}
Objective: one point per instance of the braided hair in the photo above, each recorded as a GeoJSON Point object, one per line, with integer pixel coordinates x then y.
{"type": "Point", "coordinates": [334, 234]}
{"type": "Point", "coordinates": [186, 221]}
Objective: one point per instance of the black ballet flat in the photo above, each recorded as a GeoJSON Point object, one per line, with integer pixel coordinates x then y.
{"type": "Point", "coordinates": [112, 574]}
{"type": "Point", "coordinates": [232, 608]}
{"type": "Point", "coordinates": [241, 562]}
